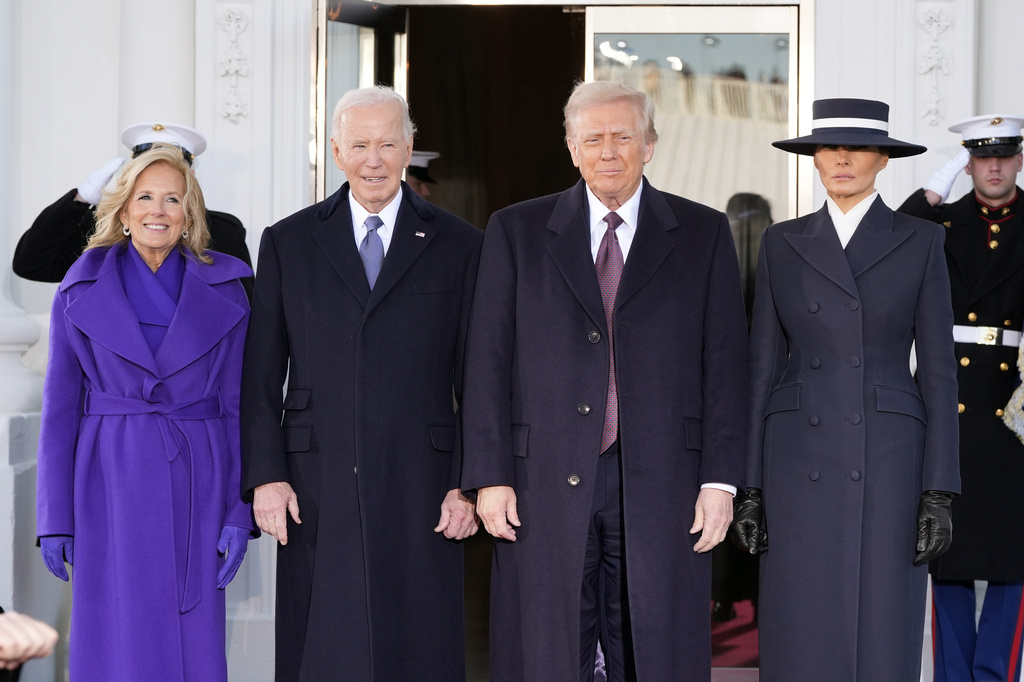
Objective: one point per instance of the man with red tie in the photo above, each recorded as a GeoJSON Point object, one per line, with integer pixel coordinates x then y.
{"type": "Point", "coordinates": [605, 388]}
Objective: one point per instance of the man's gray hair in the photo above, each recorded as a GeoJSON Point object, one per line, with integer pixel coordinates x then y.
{"type": "Point", "coordinates": [596, 93]}
{"type": "Point", "coordinates": [376, 96]}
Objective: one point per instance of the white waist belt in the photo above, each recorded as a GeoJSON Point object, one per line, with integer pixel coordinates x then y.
{"type": "Point", "coordinates": [986, 336]}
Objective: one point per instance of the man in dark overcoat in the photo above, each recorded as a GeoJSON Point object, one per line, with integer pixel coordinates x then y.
{"type": "Point", "coordinates": [985, 258]}
{"type": "Point", "coordinates": [361, 303]}
{"type": "Point", "coordinates": [606, 375]}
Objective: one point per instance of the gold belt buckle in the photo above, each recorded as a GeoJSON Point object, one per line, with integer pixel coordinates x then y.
{"type": "Point", "coordinates": [990, 336]}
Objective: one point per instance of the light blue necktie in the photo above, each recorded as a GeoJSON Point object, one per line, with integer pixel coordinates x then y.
{"type": "Point", "coordinates": [371, 250]}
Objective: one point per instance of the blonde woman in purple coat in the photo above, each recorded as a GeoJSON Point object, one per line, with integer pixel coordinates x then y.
{"type": "Point", "coordinates": [138, 478]}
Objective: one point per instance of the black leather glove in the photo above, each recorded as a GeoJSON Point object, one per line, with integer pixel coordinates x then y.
{"type": "Point", "coordinates": [747, 529]}
{"type": "Point", "coordinates": [934, 525]}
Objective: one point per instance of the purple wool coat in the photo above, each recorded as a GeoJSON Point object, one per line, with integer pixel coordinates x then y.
{"type": "Point", "coordinates": [139, 461]}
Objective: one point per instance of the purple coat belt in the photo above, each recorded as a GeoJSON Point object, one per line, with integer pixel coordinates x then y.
{"type": "Point", "coordinates": [176, 443]}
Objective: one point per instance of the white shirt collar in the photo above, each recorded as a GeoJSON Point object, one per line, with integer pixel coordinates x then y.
{"type": "Point", "coordinates": [846, 223]}
{"type": "Point", "coordinates": [625, 232]}
{"type": "Point", "coordinates": [388, 215]}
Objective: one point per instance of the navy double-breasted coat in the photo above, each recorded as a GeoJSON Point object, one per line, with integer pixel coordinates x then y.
{"type": "Point", "coordinates": [368, 439]}
{"type": "Point", "coordinates": [537, 376]}
{"type": "Point", "coordinates": [844, 439]}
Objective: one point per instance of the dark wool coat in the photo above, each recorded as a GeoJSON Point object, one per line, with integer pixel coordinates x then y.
{"type": "Point", "coordinates": [988, 285]}
{"type": "Point", "coordinates": [844, 440]}
{"type": "Point", "coordinates": [139, 461]}
{"type": "Point", "coordinates": [366, 590]}
{"type": "Point", "coordinates": [59, 234]}
{"type": "Point", "coordinates": [537, 377]}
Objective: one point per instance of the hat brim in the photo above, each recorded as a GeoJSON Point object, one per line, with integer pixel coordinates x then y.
{"type": "Point", "coordinates": [990, 150]}
{"type": "Point", "coordinates": [421, 174]}
{"type": "Point", "coordinates": [808, 144]}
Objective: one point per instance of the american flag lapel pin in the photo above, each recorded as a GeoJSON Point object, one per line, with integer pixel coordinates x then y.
{"type": "Point", "coordinates": [421, 234]}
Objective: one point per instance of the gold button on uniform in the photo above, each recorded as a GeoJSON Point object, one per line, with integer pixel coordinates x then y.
{"type": "Point", "coordinates": [993, 244]}
{"type": "Point", "coordinates": [972, 317]}
{"type": "Point", "coordinates": [964, 362]}
{"type": "Point", "coordinates": [1007, 323]}
{"type": "Point", "coordinates": [999, 412]}
{"type": "Point", "coordinates": [995, 229]}
{"type": "Point", "coordinates": [960, 408]}
{"type": "Point", "coordinates": [1003, 366]}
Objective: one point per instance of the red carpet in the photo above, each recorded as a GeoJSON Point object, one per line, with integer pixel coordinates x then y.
{"type": "Point", "coordinates": [734, 642]}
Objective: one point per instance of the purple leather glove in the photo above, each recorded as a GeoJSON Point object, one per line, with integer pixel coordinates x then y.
{"type": "Point", "coordinates": [232, 544]}
{"type": "Point", "coordinates": [57, 548]}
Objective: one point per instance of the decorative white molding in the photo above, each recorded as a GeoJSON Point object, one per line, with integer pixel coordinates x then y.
{"type": "Point", "coordinates": [933, 61]}
{"type": "Point", "coordinates": [234, 64]}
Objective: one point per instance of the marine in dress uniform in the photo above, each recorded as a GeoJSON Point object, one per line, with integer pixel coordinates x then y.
{"type": "Point", "coordinates": [985, 257]}
{"type": "Point", "coordinates": [58, 235]}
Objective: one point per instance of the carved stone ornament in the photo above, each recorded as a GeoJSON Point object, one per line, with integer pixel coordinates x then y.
{"type": "Point", "coordinates": [234, 64]}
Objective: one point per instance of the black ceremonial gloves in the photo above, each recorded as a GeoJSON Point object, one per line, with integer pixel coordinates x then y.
{"type": "Point", "coordinates": [934, 525]}
{"type": "Point", "coordinates": [747, 530]}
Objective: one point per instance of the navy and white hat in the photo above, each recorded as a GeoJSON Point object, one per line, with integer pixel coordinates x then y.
{"type": "Point", "coordinates": [418, 165]}
{"type": "Point", "coordinates": [990, 135]}
{"type": "Point", "coordinates": [142, 136]}
{"type": "Point", "coordinates": [850, 122]}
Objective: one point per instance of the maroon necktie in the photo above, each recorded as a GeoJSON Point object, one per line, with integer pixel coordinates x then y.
{"type": "Point", "coordinates": [609, 270]}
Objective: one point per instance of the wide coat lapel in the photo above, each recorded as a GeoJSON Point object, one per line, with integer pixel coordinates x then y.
{"type": "Point", "coordinates": [414, 230]}
{"type": "Point", "coordinates": [203, 317]}
{"type": "Point", "coordinates": [819, 245]}
{"type": "Point", "coordinates": [651, 243]}
{"type": "Point", "coordinates": [874, 238]}
{"type": "Point", "coordinates": [569, 247]}
{"type": "Point", "coordinates": [101, 311]}
{"type": "Point", "coordinates": [332, 232]}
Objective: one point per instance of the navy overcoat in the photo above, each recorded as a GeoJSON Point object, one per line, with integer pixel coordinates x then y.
{"type": "Point", "coordinates": [844, 440]}
{"type": "Point", "coordinates": [537, 377]}
{"type": "Point", "coordinates": [365, 589]}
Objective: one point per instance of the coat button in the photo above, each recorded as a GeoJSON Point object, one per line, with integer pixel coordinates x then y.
{"type": "Point", "coordinates": [855, 475]}
{"type": "Point", "coordinates": [854, 305]}
{"type": "Point", "coordinates": [583, 409]}
{"type": "Point", "coordinates": [574, 480]}
{"type": "Point", "coordinates": [1007, 323]}
{"type": "Point", "coordinates": [814, 475]}
{"type": "Point", "coordinates": [814, 421]}
{"type": "Point", "coordinates": [1004, 366]}
{"type": "Point", "coordinates": [972, 317]}
{"type": "Point", "coordinates": [995, 228]}
{"type": "Point", "coordinates": [960, 407]}
{"type": "Point", "coordinates": [994, 244]}
{"type": "Point", "coordinates": [594, 337]}
{"type": "Point", "coordinates": [813, 307]}
{"type": "Point", "coordinates": [855, 419]}
{"type": "Point", "coordinates": [815, 363]}
{"type": "Point", "coordinates": [854, 361]}
{"type": "Point", "coordinates": [999, 412]}
{"type": "Point", "coordinates": [964, 361]}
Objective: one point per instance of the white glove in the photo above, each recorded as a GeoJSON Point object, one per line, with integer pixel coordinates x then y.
{"type": "Point", "coordinates": [92, 189]}
{"type": "Point", "coordinates": [942, 180]}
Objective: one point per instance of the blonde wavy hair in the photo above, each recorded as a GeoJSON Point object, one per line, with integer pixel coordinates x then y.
{"type": "Point", "coordinates": [114, 204]}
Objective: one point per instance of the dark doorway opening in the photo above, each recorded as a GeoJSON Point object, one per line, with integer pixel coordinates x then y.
{"type": "Point", "coordinates": [486, 87]}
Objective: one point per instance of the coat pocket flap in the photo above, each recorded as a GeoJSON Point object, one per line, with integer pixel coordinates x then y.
{"type": "Point", "coordinates": [784, 399]}
{"type": "Point", "coordinates": [442, 437]}
{"type": "Point", "coordinates": [694, 432]}
{"type": "Point", "coordinates": [900, 401]}
{"type": "Point", "coordinates": [520, 439]}
{"type": "Point", "coordinates": [297, 438]}
{"type": "Point", "coordinates": [297, 398]}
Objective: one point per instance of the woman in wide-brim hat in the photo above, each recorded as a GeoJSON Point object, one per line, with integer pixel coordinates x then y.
{"type": "Point", "coordinates": [850, 455]}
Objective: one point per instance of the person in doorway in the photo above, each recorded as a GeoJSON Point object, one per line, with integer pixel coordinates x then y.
{"type": "Point", "coordinates": [853, 458]}
{"type": "Point", "coordinates": [985, 258]}
{"type": "Point", "coordinates": [59, 234]}
{"type": "Point", "coordinates": [361, 305]}
{"type": "Point", "coordinates": [605, 368]}
{"type": "Point", "coordinates": [417, 176]}
{"type": "Point", "coordinates": [139, 463]}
